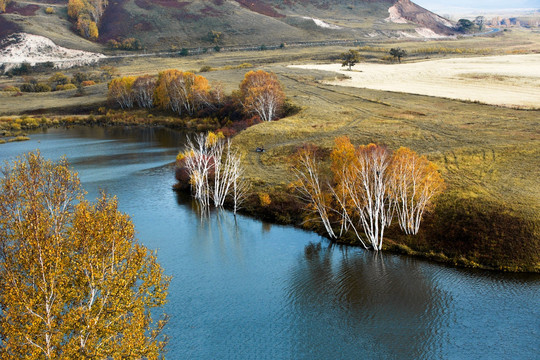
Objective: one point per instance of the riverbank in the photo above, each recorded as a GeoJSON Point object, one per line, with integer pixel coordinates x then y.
{"type": "Point", "coordinates": [461, 230]}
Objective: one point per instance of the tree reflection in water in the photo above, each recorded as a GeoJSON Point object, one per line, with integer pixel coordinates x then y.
{"type": "Point", "coordinates": [381, 304]}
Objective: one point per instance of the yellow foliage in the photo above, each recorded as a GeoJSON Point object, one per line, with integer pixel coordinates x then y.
{"type": "Point", "coordinates": [75, 7]}
{"type": "Point", "coordinates": [3, 4]}
{"type": "Point", "coordinates": [80, 285]}
{"type": "Point", "coordinates": [262, 94]}
{"type": "Point", "coordinates": [212, 138]}
{"type": "Point", "coordinates": [264, 199]}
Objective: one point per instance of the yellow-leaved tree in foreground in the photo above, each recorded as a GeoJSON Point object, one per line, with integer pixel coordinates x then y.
{"type": "Point", "coordinates": [75, 282]}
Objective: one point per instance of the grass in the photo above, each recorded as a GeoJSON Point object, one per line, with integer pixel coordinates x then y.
{"type": "Point", "coordinates": [488, 155]}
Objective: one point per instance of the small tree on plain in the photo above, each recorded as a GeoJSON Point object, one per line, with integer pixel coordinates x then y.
{"type": "Point", "coordinates": [350, 58]}
{"type": "Point", "coordinates": [398, 53]}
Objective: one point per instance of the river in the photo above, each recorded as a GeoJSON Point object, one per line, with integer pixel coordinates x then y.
{"type": "Point", "coordinates": [246, 289]}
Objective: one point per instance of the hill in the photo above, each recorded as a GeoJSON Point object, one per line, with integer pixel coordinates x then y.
{"type": "Point", "coordinates": [166, 24]}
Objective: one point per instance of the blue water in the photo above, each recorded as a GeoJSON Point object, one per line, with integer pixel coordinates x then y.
{"type": "Point", "coordinates": [244, 289]}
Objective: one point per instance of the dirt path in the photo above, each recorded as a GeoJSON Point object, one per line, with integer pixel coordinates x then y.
{"type": "Point", "coordinates": [510, 80]}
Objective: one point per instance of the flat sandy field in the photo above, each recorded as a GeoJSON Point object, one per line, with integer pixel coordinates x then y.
{"type": "Point", "coordinates": [508, 80]}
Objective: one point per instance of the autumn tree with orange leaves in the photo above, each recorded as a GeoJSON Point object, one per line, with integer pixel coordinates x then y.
{"type": "Point", "coordinates": [143, 91]}
{"type": "Point", "coordinates": [75, 282]}
{"type": "Point", "coordinates": [414, 182]}
{"type": "Point", "coordinates": [121, 91]}
{"type": "Point", "coordinates": [370, 186]}
{"type": "Point", "coordinates": [262, 94]}
{"type": "Point", "coordinates": [181, 91]}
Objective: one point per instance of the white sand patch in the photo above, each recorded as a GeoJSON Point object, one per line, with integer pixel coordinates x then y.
{"type": "Point", "coordinates": [34, 49]}
{"type": "Point", "coordinates": [323, 24]}
{"type": "Point", "coordinates": [510, 80]}
{"type": "Point", "coordinates": [395, 16]}
{"type": "Point", "coordinates": [428, 33]}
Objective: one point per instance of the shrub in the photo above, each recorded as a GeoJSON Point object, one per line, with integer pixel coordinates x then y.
{"type": "Point", "coordinates": [205, 68]}
{"type": "Point", "coordinates": [35, 87]}
{"type": "Point", "coordinates": [264, 199]}
{"type": "Point", "coordinates": [41, 87]}
{"type": "Point", "coordinates": [79, 77]}
{"type": "Point", "coordinates": [66, 87]}
{"type": "Point", "coordinates": [11, 89]}
{"type": "Point", "coordinates": [88, 83]}
{"type": "Point", "coordinates": [49, 10]}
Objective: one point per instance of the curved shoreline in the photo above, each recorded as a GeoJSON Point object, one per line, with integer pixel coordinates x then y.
{"type": "Point", "coordinates": [285, 210]}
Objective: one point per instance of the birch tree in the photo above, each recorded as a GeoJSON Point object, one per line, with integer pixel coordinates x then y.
{"type": "Point", "coordinates": [214, 170]}
{"type": "Point", "coordinates": [309, 186]}
{"type": "Point", "coordinates": [121, 91]}
{"type": "Point", "coordinates": [181, 91]}
{"type": "Point", "coordinates": [75, 282]}
{"type": "Point", "coordinates": [143, 91]}
{"type": "Point", "coordinates": [414, 182]}
{"type": "Point", "coordinates": [262, 94]}
{"type": "Point", "coordinates": [367, 193]}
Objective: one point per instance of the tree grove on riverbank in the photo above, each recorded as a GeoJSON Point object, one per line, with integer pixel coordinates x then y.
{"type": "Point", "coordinates": [370, 186]}
{"type": "Point", "coordinates": [75, 283]}
{"type": "Point", "coordinates": [261, 96]}
{"type": "Point", "coordinates": [213, 170]}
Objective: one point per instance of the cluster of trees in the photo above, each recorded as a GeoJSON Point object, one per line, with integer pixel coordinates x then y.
{"type": "Point", "coordinates": [369, 186]}
{"type": "Point", "coordinates": [75, 282]}
{"type": "Point", "coordinates": [468, 26]}
{"type": "Point", "coordinates": [3, 5]}
{"type": "Point", "coordinates": [60, 81]}
{"type": "Point", "coordinates": [260, 93]}
{"type": "Point", "coordinates": [87, 14]}
{"type": "Point", "coordinates": [126, 44]}
{"type": "Point", "coordinates": [213, 171]}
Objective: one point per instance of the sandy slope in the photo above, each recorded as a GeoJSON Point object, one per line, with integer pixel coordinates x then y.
{"type": "Point", "coordinates": [34, 49]}
{"type": "Point", "coordinates": [510, 80]}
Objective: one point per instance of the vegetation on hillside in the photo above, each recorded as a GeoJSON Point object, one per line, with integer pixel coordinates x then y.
{"type": "Point", "coordinates": [76, 283]}
{"type": "Point", "coordinates": [3, 4]}
{"type": "Point", "coordinates": [87, 15]}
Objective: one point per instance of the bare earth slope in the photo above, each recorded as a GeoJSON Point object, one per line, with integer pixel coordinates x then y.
{"type": "Point", "coordinates": [511, 80]}
{"type": "Point", "coordinates": [165, 24]}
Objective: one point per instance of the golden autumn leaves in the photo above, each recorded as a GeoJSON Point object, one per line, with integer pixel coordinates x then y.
{"type": "Point", "coordinates": [183, 92]}
{"type": "Point", "coordinates": [3, 4]}
{"type": "Point", "coordinates": [75, 283]}
{"type": "Point", "coordinates": [87, 14]}
{"type": "Point", "coordinates": [369, 186]}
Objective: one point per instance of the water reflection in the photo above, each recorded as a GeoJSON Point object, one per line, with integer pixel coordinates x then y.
{"type": "Point", "coordinates": [383, 304]}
